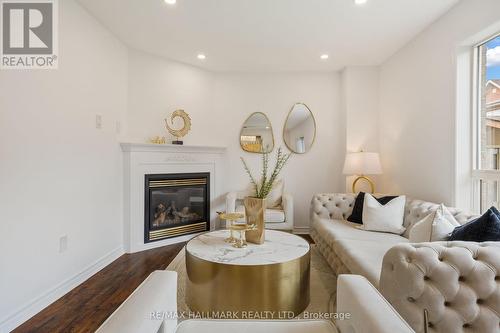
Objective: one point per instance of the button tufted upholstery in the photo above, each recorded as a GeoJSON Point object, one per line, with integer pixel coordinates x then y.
{"type": "Point", "coordinates": [416, 210]}
{"type": "Point", "coordinates": [457, 282]}
{"type": "Point", "coordinates": [338, 206]}
{"type": "Point", "coordinates": [334, 206]}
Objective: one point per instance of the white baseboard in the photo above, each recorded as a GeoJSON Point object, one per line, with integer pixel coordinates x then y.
{"type": "Point", "coordinates": [301, 230]}
{"type": "Point", "coordinates": [44, 300]}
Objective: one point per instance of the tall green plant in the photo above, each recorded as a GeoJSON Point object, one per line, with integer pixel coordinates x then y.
{"type": "Point", "coordinates": [265, 185]}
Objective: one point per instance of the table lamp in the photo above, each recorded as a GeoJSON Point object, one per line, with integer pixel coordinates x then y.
{"type": "Point", "coordinates": [362, 164]}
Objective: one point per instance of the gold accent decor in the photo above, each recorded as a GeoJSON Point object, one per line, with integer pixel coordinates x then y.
{"type": "Point", "coordinates": [372, 185]}
{"type": "Point", "coordinates": [177, 182]}
{"type": "Point", "coordinates": [171, 232]}
{"type": "Point", "coordinates": [179, 133]}
{"type": "Point", "coordinates": [280, 288]}
{"type": "Point", "coordinates": [287, 127]}
{"type": "Point", "coordinates": [241, 229]}
{"type": "Point", "coordinates": [231, 217]}
{"type": "Point", "coordinates": [254, 212]}
{"type": "Point", "coordinates": [158, 140]}
{"type": "Point", "coordinates": [255, 132]}
{"type": "Point", "coordinates": [426, 321]}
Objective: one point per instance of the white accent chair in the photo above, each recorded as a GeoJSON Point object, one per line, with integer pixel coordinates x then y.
{"type": "Point", "coordinates": [151, 309]}
{"type": "Point", "coordinates": [277, 219]}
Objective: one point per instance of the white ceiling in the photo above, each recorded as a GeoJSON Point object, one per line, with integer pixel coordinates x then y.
{"type": "Point", "coordinates": [268, 35]}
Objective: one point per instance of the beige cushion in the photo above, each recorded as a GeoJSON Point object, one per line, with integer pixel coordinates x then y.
{"type": "Point", "coordinates": [385, 218]}
{"type": "Point", "coordinates": [270, 215]}
{"type": "Point", "coordinates": [333, 230]}
{"type": "Point", "coordinates": [417, 209]}
{"type": "Point", "coordinates": [273, 199]}
{"type": "Point", "coordinates": [434, 227]}
{"type": "Point", "coordinates": [365, 257]}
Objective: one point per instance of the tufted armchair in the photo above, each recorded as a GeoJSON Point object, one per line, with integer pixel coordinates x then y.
{"type": "Point", "coordinates": [458, 283]}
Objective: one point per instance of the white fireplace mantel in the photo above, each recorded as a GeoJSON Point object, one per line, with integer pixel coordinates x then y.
{"type": "Point", "coordinates": [167, 148]}
{"type": "Point", "coordinates": [141, 159]}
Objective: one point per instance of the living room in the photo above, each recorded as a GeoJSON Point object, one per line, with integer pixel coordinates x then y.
{"type": "Point", "coordinates": [129, 130]}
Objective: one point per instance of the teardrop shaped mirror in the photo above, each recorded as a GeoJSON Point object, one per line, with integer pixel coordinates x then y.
{"type": "Point", "coordinates": [256, 135]}
{"type": "Point", "coordinates": [299, 131]}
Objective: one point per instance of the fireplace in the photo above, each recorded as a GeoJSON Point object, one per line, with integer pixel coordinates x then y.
{"type": "Point", "coordinates": [176, 205]}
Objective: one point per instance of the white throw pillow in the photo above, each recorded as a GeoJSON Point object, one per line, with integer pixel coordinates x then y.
{"type": "Point", "coordinates": [273, 199]}
{"type": "Point", "coordinates": [434, 227]}
{"type": "Point", "coordinates": [384, 218]}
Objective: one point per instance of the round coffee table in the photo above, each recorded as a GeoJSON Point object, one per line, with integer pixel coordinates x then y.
{"type": "Point", "coordinates": [270, 280]}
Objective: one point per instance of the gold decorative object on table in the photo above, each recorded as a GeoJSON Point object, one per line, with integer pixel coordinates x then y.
{"type": "Point", "coordinates": [255, 206]}
{"type": "Point", "coordinates": [158, 140]}
{"type": "Point", "coordinates": [179, 133]}
{"type": "Point", "coordinates": [254, 210]}
{"type": "Point", "coordinates": [232, 218]}
{"type": "Point", "coordinates": [242, 229]}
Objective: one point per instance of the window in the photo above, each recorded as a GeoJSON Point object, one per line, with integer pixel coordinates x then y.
{"type": "Point", "coordinates": [487, 120]}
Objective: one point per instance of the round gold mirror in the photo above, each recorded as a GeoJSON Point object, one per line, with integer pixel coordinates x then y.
{"type": "Point", "coordinates": [299, 131]}
{"type": "Point", "coordinates": [256, 135]}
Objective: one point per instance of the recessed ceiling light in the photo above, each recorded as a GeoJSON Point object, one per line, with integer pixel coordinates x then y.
{"type": "Point", "coordinates": [324, 56]}
{"type": "Point", "coordinates": [201, 56]}
{"type": "Point", "coordinates": [170, 2]}
{"type": "Point", "coordinates": [360, 2]}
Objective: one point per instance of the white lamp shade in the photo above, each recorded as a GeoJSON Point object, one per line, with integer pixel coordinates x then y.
{"type": "Point", "coordinates": [362, 163]}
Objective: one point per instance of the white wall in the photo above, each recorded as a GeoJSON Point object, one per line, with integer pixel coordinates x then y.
{"type": "Point", "coordinates": [220, 103]}
{"type": "Point", "coordinates": [319, 170]}
{"type": "Point", "coordinates": [360, 102]}
{"type": "Point", "coordinates": [157, 87]}
{"type": "Point", "coordinates": [418, 104]}
{"type": "Point", "coordinates": [59, 175]}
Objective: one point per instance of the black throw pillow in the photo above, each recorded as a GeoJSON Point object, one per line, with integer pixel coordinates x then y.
{"type": "Point", "coordinates": [486, 228]}
{"type": "Point", "coordinates": [357, 210]}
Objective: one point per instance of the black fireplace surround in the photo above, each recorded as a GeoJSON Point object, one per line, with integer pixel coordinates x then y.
{"type": "Point", "coordinates": [175, 205]}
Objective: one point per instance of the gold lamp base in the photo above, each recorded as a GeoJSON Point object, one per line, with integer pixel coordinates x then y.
{"type": "Point", "coordinates": [362, 177]}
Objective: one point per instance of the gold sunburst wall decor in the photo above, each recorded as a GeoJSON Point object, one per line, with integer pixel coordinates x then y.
{"type": "Point", "coordinates": [179, 133]}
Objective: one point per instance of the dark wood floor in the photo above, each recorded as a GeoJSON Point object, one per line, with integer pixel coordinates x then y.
{"type": "Point", "coordinates": [86, 307]}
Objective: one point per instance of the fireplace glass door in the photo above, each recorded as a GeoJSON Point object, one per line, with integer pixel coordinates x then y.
{"type": "Point", "coordinates": [176, 204]}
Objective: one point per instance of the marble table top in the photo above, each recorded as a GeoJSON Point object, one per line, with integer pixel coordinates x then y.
{"type": "Point", "coordinates": [278, 247]}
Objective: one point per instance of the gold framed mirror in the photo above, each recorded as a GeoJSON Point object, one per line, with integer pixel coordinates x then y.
{"type": "Point", "coordinates": [299, 131]}
{"type": "Point", "coordinates": [256, 135]}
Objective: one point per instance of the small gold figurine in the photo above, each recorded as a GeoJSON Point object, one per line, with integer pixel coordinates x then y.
{"type": "Point", "coordinates": [232, 218]}
{"type": "Point", "coordinates": [158, 140]}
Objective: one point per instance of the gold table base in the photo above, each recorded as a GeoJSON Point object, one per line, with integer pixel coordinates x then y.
{"type": "Point", "coordinates": [281, 290]}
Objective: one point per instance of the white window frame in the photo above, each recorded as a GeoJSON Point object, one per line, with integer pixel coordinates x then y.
{"type": "Point", "coordinates": [478, 174]}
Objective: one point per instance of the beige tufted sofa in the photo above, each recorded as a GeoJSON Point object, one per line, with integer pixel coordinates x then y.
{"type": "Point", "coordinates": [457, 282]}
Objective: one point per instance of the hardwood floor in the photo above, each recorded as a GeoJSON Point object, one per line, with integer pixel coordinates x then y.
{"type": "Point", "coordinates": [307, 237]}
{"type": "Point", "coordinates": [86, 307]}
